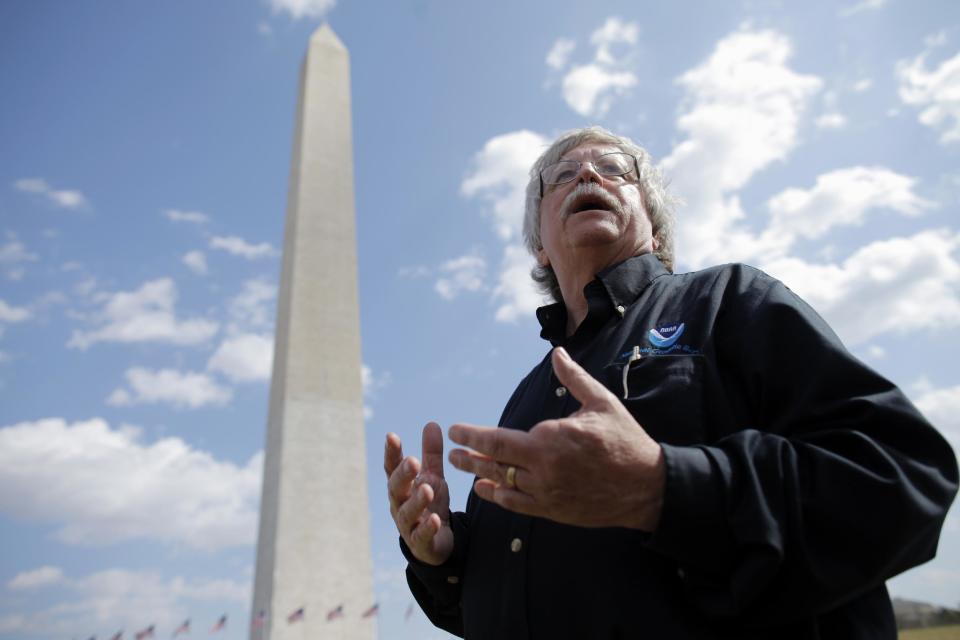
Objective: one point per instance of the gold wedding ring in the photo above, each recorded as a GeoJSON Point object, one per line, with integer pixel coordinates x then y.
{"type": "Point", "coordinates": [511, 477]}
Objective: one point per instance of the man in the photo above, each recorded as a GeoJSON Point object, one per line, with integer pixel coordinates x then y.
{"type": "Point", "coordinates": [698, 456]}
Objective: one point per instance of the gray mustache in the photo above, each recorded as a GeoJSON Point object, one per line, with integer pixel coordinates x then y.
{"type": "Point", "coordinates": [593, 190]}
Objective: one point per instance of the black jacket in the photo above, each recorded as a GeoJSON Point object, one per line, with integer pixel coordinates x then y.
{"type": "Point", "coordinates": [798, 479]}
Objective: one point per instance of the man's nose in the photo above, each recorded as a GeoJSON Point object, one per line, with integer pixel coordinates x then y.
{"type": "Point", "coordinates": [589, 173]}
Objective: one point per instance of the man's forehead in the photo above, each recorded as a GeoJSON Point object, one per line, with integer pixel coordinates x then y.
{"type": "Point", "coordinates": [592, 149]}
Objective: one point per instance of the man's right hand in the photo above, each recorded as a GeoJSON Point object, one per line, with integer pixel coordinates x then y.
{"type": "Point", "coordinates": [419, 499]}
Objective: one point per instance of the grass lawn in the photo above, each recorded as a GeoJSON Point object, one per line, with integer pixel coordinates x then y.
{"type": "Point", "coordinates": [932, 633]}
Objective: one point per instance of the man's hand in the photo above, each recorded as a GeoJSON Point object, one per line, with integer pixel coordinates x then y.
{"type": "Point", "coordinates": [419, 499]}
{"type": "Point", "coordinates": [594, 468]}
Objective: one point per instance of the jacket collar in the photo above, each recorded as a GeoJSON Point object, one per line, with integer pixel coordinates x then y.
{"type": "Point", "coordinates": [616, 286]}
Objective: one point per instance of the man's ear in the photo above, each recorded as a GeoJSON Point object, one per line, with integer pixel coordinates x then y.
{"type": "Point", "coordinates": [542, 259]}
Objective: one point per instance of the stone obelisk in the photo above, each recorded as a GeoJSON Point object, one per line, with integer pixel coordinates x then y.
{"type": "Point", "coordinates": [313, 551]}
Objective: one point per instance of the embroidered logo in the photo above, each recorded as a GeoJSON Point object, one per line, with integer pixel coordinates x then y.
{"type": "Point", "coordinates": [665, 337]}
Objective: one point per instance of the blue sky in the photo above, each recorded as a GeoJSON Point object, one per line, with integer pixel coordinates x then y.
{"type": "Point", "coordinates": [142, 191]}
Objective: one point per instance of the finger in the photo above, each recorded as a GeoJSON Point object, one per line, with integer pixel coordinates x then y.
{"type": "Point", "coordinates": [477, 464]}
{"type": "Point", "coordinates": [509, 499]}
{"type": "Point", "coordinates": [575, 378]}
{"type": "Point", "coordinates": [411, 511]}
{"type": "Point", "coordinates": [433, 449]}
{"type": "Point", "coordinates": [503, 445]}
{"type": "Point", "coordinates": [401, 480]}
{"type": "Point", "coordinates": [392, 453]}
{"type": "Point", "coordinates": [424, 532]}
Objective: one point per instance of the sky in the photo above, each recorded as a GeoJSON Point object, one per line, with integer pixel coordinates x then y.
{"type": "Point", "coordinates": [144, 156]}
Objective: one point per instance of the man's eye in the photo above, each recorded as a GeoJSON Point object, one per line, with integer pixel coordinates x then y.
{"type": "Point", "coordinates": [564, 175]}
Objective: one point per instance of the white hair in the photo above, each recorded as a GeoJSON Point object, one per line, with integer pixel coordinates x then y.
{"type": "Point", "coordinates": [657, 201]}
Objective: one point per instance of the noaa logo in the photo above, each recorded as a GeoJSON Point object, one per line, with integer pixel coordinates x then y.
{"type": "Point", "coordinates": [667, 336]}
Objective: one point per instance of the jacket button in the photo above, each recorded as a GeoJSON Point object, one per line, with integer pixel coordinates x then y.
{"type": "Point", "coordinates": [621, 310]}
{"type": "Point", "coordinates": [453, 579]}
{"type": "Point", "coordinates": [516, 544]}
{"type": "Point", "coordinates": [560, 391]}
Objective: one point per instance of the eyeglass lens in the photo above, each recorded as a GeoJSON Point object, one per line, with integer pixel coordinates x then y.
{"type": "Point", "coordinates": [610, 164]}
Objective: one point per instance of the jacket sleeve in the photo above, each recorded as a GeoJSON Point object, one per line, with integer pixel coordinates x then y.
{"type": "Point", "coordinates": [838, 484]}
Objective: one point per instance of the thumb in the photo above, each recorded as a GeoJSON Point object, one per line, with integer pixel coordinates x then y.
{"type": "Point", "coordinates": [584, 387]}
{"type": "Point", "coordinates": [433, 449]}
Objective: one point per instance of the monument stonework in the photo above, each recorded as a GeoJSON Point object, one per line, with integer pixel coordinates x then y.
{"type": "Point", "coordinates": [313, 549]}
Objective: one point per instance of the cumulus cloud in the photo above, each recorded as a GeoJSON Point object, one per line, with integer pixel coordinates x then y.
{"type": "Point", "coordinates": [10, 313]}
{"type": "Point", "coordinates": [881, 286]}
{"type": "Point", "coordinates": [499, 176]}
{"type": "Point", "coordinates": [298, 9]}
{"type": "Point", "coordinates": [194, 217]}
{"type": "Point", "coordinates": [244, 357]}
{"type": "Point", "coordinates": [144, 315]}
{"type": "Point", "coordinates": [935, 91]}
{"type": "Point", "coordinates": [559, 53]}
{"type": "Point", "coordinates": [253, 306]}
{"type": "Point", "coordinates": [741, 112]}
{"type": "Point", "coordinates": [515, 292]}
{"type": "Point", "coordinates": [99, 485]}
{"type": "Point", "coordinates": [63, 198]}
{"type": "Point", "coordinates": [119, 598]}
{"type": "Point", "coordinates": [862, 85]}
{"type": "Point", "coordinates": [371, 383]}
{"type": "Point", "coordinates": [839, 198]}
{"type": "Point", "coordinates": [860, 7]}
{"type": "Point", "coordinates": [196, 261]}
{"type": "Point", "coordinates": [942, 408]}
{"type": "Point", "coordinates": [590, 89]}
{"type": "Point", "coordinates": [465, 273]}
{"type": "Point", "coordinates": [169, 386]}
{"type": "Point", "coordinates": [831, 120]}
{"type": "Point", "coordinates": [13, 252]}
{"type": "Point", "coordinates": [239, 247]}
{"type": "Point", "coordinates": [40, 577]}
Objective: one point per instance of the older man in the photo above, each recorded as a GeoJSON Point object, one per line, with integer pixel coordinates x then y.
{"type": "Point", "coordinates": [698, 457]}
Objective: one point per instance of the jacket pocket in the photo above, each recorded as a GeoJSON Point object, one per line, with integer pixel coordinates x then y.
{"type": "Point", "coordinates": [664, 394]}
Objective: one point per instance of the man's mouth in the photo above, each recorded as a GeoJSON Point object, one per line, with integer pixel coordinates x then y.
{"type": "Point", "coordinates": [589, 203]}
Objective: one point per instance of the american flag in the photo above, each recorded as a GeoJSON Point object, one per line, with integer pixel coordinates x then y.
{"type": "Point", "coordinates": [296, 616]}
{"type": "Point", "coordinates": [117, 636]}
{"type": "Point", "coordinates": [145, 633]}
{"type": "Point", "coordinates": [183, 628]}
{"type": "Point", "coordinates": [259, 619]}
{"type": "Point", "coordinates": [409, 613]}
{"type": "Point", "coordinates": [335, 613]}
{"type": "Point", "coordinates": [372, 611]}
{"type": "Point", "coordinates": [221, 623]}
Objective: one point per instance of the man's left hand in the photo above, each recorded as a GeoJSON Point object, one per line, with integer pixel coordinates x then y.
{"type": "Point", "coordinates": [594, 468]}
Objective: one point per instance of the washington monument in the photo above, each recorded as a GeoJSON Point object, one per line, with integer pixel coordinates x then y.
{"type": "Point", "coordinates": [313, 550]}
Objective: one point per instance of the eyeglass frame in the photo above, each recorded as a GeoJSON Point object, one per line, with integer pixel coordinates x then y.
{"type": "Point", "coordinates": [636, 167]}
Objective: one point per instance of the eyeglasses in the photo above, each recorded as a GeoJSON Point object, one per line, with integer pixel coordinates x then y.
{"type": "Point", "coordinates": [609, 165]}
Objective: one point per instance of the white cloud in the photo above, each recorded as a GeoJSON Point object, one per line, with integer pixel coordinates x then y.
{"type": "Point", "coordinates": [245, 357]}
{"type": "Point", "coordinates": [590, 89]}
{"type": "Point", "coordinates": [515, 292]}
{"type": "Point", "coordinates": [559, 53]}
{"type": "Point", "coordinates": [936, 92]}
{"type": "Point", "coordinates": [180, 389]}
{"type": "Point", "coordinates": [13, 252]}
{"type": "Point", "coordinates": [863, 5]}
{"type": "Point", "coordinates": [880, 288]}
{"type": "Point", "coordinates": [862, 85]}
{"type": "Point", "coordinates": [144, 315]}
{"type": "Point", "coordinates": [613, 32]}
{"type": "Point", "coordinates": [64, 198]}
{"type": "Point", "coordinates": [935, 40]}
{"type": "Point", "coordinates": [195, 217]}
{"type": "Point", "coordinates": [121, 598]}
{"type": "Point", "coordinates": [13, 314]}
{"type": "Point", "coordinates": [371, 383]}
{"type": "Point", "coordinates": [832, 120]}
{"type": "Point", "coordinates": [240, 247]}
{"type": "Point", "coordinates": [196, 262]}
{"type": "Point", "coordinates": [465, 273]}
{"type": "Point", "coordinates": [741, 113]}
{"type": "Point", "coordinates": [499, 176]}
{"type": "Point", "coordinates": [99, 485]}
{"type": "Point", "coordinates": [40, 577]}
{"type": "Point", "coordinates": [839, 198]}
{"type": "Point", "coordinates": [942, 408]}
{"type": "Point", "coordinates": [302, 8]}
{"type": "Point", "coordinates": [253, 306]}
